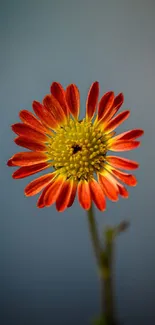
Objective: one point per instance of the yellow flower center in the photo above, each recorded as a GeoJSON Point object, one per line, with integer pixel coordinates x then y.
{"type": "Point", "coordinates": [78, 149]}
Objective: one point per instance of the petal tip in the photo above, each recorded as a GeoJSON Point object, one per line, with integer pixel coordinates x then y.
{"type": "Point", "coordinates": [40, 206]}
{"type": "Point", "coordinates": [141, 132]}
{"type": "Point", "coordinates": [10, 163]}
{"type": "Point", "coordinates": [96, 84]}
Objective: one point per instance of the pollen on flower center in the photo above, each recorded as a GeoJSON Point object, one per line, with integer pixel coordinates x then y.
{"type": "Point", "coordinates": [78, 149]}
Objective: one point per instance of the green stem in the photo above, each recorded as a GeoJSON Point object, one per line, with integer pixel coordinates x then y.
{"type": "Point", "coordinates": [104, 260]}
{"type": "Point", "coordinates": [94, 234]}
{"type": "Point", "coordinates": [107, 283]}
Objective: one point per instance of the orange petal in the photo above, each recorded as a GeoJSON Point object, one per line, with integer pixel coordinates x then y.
{"type": "Point", "coordinates": [41, 202]}
{"type": "Point", "coordinates": [54, 107]}
{"type": "Point", "coordinates": [122, 191]}
{"type": "Point", "coordinates": [118, 101]}
{"type": "Point", "coordinates": [73, 100]}
{"type": "Point", "coordinates": [53, 191]}
{"type": "Point", "coordinates": [129, 135]}
{"type": "Point", "coordinates": [45, 115]}
{"type": "Point", "coordinates": [30, 144]}
{"type": "Point", "coordinates": [29, 132]}
{"type": "Point", "coordinates": [10, 163]}
{"type": "Point", "coordinates": [123, 163]}
{"type": "Point", "coordinates": [119, 188]}
{"type": "Point", "coordinates": [72, 195]}
{"type": "Point", "coordinates": [105, 104]}
{"type": "Point", "coordinates": [29, 170]}
{"type": "Point", "coordinates": [108, 185]}
{"type": "Point", "coordinates": [97, 195]}
{"type": "Point", "coordinates": [38, 184]}
{"type": "Point", "coordinates": [124, 177]}
{"type": "Point", "coordinates": [59, 93]}
{"type": "Point", "coordinates": [122, 145]}
{"type": "Point", "coordinates": [116, 121]}
{"type": "Point", "coordinates": [29, 158]}
{"type": "Point", "coordinates": [92, 100]}
{"type": "Point", "coordinates": [28, 118]}
{"type": "Point", "coordinates": [84, 194]}
{"type": "Point", "coordinates": [64, 195]}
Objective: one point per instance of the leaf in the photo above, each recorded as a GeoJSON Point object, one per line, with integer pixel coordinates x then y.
{"type": "Point", "coordinates": [123, 226]}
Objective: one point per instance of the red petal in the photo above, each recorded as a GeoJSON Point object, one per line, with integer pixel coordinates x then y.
{"type": "Point", "coordinates": [64, 195]}
{"type": "Point", "coordinates": [122, 145]}
{"type": "Point", "coordinates": [45, 115]}
{"type": "Point", "coordinates": [116, 121]}
{"type": "Point", "coordinates": [118, 187]}
{"type": "Point", "coordinates": [29, 170]}
{"type": "Point", "coordinates": [72, 195]}
{"type": "Point", "coordinates": [122, 191]}
{"type": "Point", "coordinates": [123, 163]}
{"type": "Point", "coordinates": [97, 195]}
{"type": "Point", "coordinates": [41, 201]}
{"type": "Point", "coordinates": [28, 158]}
{"type": "Point", "coordinates": [124, 177]}
{"type": "Point", "coordinates": [84, 194]}
{"type": "Point", "coordinates": [38, 184]}
{"type": "Point", "coordinates": [129, 135]}
{"type": "Point", "coordinates": [92, 100]}
{"type": "Point", "coordinates": [105, 104]}
{"type": "Point", "coordinates": [53, 191]}
{"type": "Point", "coordinates": [29, 132]}
{"type": "Point", "coordinates": [118, 101]}
{"type": "Point", "coordinates": [28, 118]}
{"type": "Point", "coordinates": [73, 99]}
{"type": "Point", "coordinates": [59, 93]}
{"type": "Point", "coordinates": [30, 144]}
{"type": "Point", "coordinates": [54, 107]}
{"type": "Point", "coordinates": [10, 163]}
{"type": "Point", "coordinates": [109, 187]}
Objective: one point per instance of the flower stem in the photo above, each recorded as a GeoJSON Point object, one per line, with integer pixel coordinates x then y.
{"type": "Point", "coordinates": [104, 259]}
{"type": "Point", "coordinates": [94, 234]}
{"type": "Point", "coordinates": [107, 282]}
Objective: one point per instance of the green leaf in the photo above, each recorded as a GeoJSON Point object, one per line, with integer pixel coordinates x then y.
{"type": "Point", "coordinates": [123, 226]}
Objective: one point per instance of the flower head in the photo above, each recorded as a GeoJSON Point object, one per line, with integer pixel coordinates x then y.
{"type": "Point", "coordinates": [75, 151]}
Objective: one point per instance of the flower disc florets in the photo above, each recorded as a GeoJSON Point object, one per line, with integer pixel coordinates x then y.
{"type": "Point", "coordinates": [78, 149]}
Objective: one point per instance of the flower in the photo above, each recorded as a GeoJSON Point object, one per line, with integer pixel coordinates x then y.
{"type": "Point", "coordinates": [75, 150]}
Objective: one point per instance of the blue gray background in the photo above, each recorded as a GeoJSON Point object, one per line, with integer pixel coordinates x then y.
{"type": "Point", "coordinates": [48, 273]}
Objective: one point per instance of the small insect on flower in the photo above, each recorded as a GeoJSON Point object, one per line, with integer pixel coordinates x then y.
{"type": "Point", "coordinates": [75, 151]}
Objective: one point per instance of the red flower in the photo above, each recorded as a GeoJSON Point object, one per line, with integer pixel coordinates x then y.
{"type": "Point", "coordinates": [76, 150]}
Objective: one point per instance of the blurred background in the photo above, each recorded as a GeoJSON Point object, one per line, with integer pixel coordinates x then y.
{"type": "Point", "coordinates": [48, 273]}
